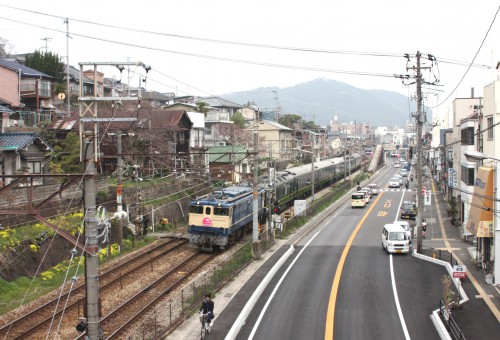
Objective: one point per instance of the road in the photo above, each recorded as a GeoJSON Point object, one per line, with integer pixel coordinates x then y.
{"type": "Point", "coordinates": [340, 283]}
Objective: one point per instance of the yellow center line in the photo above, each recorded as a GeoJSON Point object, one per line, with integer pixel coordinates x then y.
{"type": "Point", "coordinates": [476, 284]}
{"type": "Point", "coordinates": [330, 315]}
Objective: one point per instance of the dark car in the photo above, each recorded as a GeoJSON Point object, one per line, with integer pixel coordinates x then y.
{"type": "Point", "coordinates": [408, 211]}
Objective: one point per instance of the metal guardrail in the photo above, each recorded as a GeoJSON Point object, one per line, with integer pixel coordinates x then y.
{"type": "Point", "coordinates": [449, 322]}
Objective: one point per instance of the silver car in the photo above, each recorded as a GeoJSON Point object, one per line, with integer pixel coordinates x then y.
{"type": "Point", "coordinates": [374, 188]}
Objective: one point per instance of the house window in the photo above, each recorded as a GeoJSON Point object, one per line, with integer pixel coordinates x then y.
{"type": "Point", "coordinates": [489, 123]}
{"type": "Point", "coordinates": [35, 167]}
{"type": "Point", "coordinates": [467, 135]}
{"type": "Point", "coordinates": [208, 129]}
{"type": "Point", "coordinates": [44, 88]}
{"type": "Point", "coordinates": [181, 135]}
{"type": "Point", "coordinates": [468, 175]}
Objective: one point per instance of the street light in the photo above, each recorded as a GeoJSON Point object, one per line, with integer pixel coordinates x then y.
{"type": "Point", "coordinates": [476, 156]}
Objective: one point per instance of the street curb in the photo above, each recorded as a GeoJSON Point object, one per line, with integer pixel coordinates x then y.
{"type": "Point", "coordinates": [240, 321]}
{"type": "Point", "coordinates": [436, 320]}
{"type": "Point", "coordinates": [440, 327]}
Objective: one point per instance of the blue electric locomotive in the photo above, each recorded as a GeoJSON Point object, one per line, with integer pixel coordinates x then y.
{"type": "Point", "coordinates": [220, 218]}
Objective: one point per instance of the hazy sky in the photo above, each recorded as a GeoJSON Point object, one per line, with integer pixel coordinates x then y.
{"type": "Point", "coordinates": [446, 29]}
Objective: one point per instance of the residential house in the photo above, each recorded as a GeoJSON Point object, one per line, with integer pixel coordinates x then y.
{"type": "Point", "coordinates": [159, 140]}
{"type": "Point", "coordinates": [199, 154]}
{"type": "Point", "coordinates": [276, 140]}
{"type": "Point", "coordinates": [229, 163]}
{"type": "Point", "coordinates": [23, 153]}
{"type": "Point", "coordinates": [219, 128]}
{"type": "Point", "coordinates": [465, 115]}
{"type": "Point", "coordinates": [74, 83]}
{"type": "Point", "coordinates": [29, 92]}
{"type": "Point", "coordinates": [97, 77]}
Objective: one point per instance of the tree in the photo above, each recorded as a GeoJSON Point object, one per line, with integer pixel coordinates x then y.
{"type": "Point", "coordinates": [290, 120]}
{"type": "Point", "coordinates": [3, 47]}
{"type": "Point", "coordinates": [50, 64]}
{"type": "Point", "coordinates": [67, 155]}
{"type": "Point", "coordinates": [202, 107]}
{"type": "Point", "coordinates": [239, 120]}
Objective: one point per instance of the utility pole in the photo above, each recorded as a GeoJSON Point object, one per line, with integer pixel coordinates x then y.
{"type": "Point", "coordinates": [68, 94]}
{"type": "Point", "coordinates": [46, 39]}
{"type": "Point", "coordinates": [91, 256]}
{"type": "Point", "coordinates": [119, 207]}
{"type": "Point", "coordinates": [255, 226]}
{"type": "Point", "coordinates": [420, 122]}
{"type": "Point", "coordinates": [312, 165]}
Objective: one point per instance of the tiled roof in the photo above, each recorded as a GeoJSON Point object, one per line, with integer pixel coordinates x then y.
{"type": "Point", "coordinates": [277, 125]}
{"type": "Point", "coordinates": [25, 70]}
{"type": "Point", "coordinates": [5, 109]}
{"type": "Point", "coordinates": [19, 141]}
{"type": "Point", "coordinates": [219, 102]}
{"type": "Point", "coordinates": [74, 74]}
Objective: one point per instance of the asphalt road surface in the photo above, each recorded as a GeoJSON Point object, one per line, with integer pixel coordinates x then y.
{"type": "Point", "coordinates": [340, 283]}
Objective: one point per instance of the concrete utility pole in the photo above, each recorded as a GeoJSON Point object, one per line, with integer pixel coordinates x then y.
{"type": "Point", "coordinates": [255, 226]}
{"type": "Point", "coordinates": [420, 122]}
{"type": "Point", "coordinates": [119, 207]}
{"type": "Point", "coordinates": [313, 156]}
{"type": "Point", "coordinates": [91, 256]}
{"type": "Point", "coordinates": [68, 92]}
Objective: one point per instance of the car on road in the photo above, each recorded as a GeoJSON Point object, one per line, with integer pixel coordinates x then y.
{"type": "Point", "coordinates": [374, 187]}
{"type": "Point", "coordinates": [358, 200]}
{"type": "Point", "coordinates": [408, 211]}
{"type": "Point", "coordinates": [406, 226]}
{"type": "Point", "coordinates": [367, 195]}
{"type": "Point", "coordinates": [395, 239]}
{"type": "Point", "coordinates": [403, 173]}
{"type": "Point", "coordinates": [394, 182]}
{"type": "Point", "coordinates": [400, 178]}
{"type": "Point", "coordinates": [397, 164]}
{"type": "Point", "coordinates": [367, 190]}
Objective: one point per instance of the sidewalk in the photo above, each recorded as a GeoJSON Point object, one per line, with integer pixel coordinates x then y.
{"type": "Point", "coordinates": [479, 317]}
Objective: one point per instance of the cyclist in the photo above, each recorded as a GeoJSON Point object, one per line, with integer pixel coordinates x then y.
{"type": "Point", "coordinates": [207, 307]}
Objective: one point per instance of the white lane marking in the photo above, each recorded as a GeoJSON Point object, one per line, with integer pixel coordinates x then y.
{"type": "Point", "coordinates": [396, 299]}
{"type": "Point", "coordinates": [261, 315]}
{"type": "Point", "coordinates": [399, 206]}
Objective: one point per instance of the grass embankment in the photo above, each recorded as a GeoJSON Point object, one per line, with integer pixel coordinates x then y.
{"type": "Point", "coordinates": [23, 240]}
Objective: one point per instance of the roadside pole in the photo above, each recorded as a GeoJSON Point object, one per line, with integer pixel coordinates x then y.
{"type": "Point", "coordinates": [255, 226]}
{"type": "Point", "coordinates": [91, 255]}
{"type": "Point", "coordinates": [420, 123]}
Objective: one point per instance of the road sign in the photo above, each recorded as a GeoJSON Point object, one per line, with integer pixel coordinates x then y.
{"type": "Point", "coordinates": [427, 197]}
{"type": "Point", "coordinates": [382, 213]}
{"type": "Point", "coordinates": [459, 272]}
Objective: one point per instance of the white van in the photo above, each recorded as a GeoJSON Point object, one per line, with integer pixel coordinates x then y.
{"type": "Point", "coordinates": [358, 199]}
{"type": "Point", "coordinates": [395, 239]}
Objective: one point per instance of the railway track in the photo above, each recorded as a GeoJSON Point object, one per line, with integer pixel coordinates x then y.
{"type": "Point", "coordinates": [37, 320]}
{"type": "Point", "coordinates": [116, 323]}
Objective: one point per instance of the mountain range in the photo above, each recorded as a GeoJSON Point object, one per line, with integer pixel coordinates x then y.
{"type": "Point", "coordinates": [321, 100]}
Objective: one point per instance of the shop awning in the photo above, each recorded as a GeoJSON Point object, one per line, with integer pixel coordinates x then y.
{"type": "Point", "coordinates": [480, 221]}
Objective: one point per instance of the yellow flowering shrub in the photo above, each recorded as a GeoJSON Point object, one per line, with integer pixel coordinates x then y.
{"type": "Point", "coordinates": [34, 248]}
{"type": "Point", "coordinates": [47, 275]}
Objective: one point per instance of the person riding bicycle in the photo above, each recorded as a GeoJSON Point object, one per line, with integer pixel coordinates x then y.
{"type": "Point", "coordinates": [207, 307]}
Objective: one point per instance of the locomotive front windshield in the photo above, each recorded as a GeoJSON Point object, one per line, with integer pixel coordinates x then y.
{"type": "Point", "coordinates": [196, 209]}
{"type": "Point", "coordinates": [221, 211]}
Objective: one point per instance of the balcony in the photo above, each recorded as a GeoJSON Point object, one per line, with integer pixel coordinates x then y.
{"type": "Point", "coordinates": [217, 117]}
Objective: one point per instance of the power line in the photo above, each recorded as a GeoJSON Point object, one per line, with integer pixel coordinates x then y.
{"type": "Point", "coordinates": [219, 41]}
{"type": "Point", "coordinates": [241, 61]}
{"type": "Point", "coordinates": [473, 59]}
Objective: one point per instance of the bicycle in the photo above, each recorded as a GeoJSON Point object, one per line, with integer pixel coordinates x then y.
{"type": "Point", "coordinates": [205, 326]}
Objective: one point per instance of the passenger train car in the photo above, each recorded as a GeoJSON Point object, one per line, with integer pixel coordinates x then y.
{"type": "Point", "coordinates": [218, 219]}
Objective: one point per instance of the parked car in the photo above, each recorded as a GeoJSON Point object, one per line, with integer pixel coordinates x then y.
{"type": "Point", "coordinates": [406, 226]}
{"type": "Point", "coordinates": [374, 187]}
{"type": "Point", "coordinates": [394, 182]}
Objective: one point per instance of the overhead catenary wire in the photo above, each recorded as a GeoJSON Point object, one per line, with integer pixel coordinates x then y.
{"type": "Point", "coordinates": [472, 62]}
